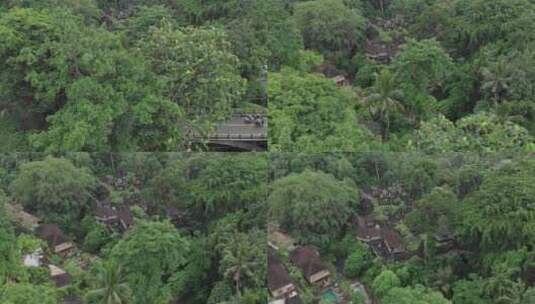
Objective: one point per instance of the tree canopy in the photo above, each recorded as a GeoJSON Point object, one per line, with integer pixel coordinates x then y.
{"type": "Point", "coordinates": [54, 188]}
{"type": "Point", "coordinates": [312, 202]}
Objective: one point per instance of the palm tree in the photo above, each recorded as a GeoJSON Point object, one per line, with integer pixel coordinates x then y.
{"type": "Point", "coordinates": [442, 278]}
{"type": "Point", "coordinates": [496, 79]}
{"type": "Point", "coordinates": [110, 284]}
{"type": "Point", "coordinates": [382, 7]}
{"type": "Point", "coordinates": [502, 286]}
{"type": "Point", "coordinates": [240, 259]}
{"type": "Point", "coordinates": [382, 101]}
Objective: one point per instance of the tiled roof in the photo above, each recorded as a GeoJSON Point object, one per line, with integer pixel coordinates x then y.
{"type": "Point", "coordinates": [277, 274]}
{"type": "Point", "coordinates": [366, 230]}
{"type": "Point", "coordinates": [308, 259]}
{"type": "Point", "coordinates": [52, 234]}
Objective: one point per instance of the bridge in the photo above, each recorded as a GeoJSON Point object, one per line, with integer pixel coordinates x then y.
{"type": "Point", "coordinates": [242, 132]}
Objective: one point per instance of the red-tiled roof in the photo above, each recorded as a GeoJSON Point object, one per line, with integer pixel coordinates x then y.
{"type": "Point", "coordinates": [308, 259]}
{"type": "Point", "coordinates": [52, 234]}
{"type": "Point", "coordinates": [392, 239]}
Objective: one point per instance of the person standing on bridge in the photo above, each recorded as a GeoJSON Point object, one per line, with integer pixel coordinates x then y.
{"type": "Point", "coordinates": [259, 121]}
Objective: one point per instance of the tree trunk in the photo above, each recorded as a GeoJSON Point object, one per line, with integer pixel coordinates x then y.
{"type": "Point", "coordinates": [237, 279]}
{"type": "Point", "coordinates": [386, 127]}
{"type": "Point", "coordinates": [382, 7]}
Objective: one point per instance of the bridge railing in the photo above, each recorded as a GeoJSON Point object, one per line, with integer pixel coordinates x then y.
{"type": "Point", "coordinates": [228, 136]}
{"type": "Point", "coordinates": [259, 134]}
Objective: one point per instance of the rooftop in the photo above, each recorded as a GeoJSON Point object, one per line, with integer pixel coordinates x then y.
{"type": "Point", "coordinates": [277, 274]}
{"type": "Point", "coordinates": [280, 238]}
{"type": "Point", "coordinates": [367, 230]}
{"type": "Point", "coordinates": [52, 234]}
{"type": "Point", "coordinates": [307, 258]}
{"type": "Point", "coordinates": [59, 276]}
{"type": "Point", "coordinates": [22, 217]}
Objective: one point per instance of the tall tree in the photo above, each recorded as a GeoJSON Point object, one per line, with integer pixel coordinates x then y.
{"type": "Point", "coordinates": [313, 206]}
{"type": "Point", "coordinates": [78, 87]}
{"type": "Point", "coordinates": [496, 79]}
{"type": "Point", "coordinates": [310, 113]}
{"type": "Point", "coordinates": [9, 253]}
{"type": "Point", "coordinates": [421, 69]}
{"type": "Point", "coordinates": [384, 100]}
{"type": "Point", "coordinates": [110, 286]}
{"type": "Point", "coordinates": [196, 70]}
{"type": "Point", "coordinates": [54, 189]}
{"type": "Point", "coordinates": [481, 132]}
{"type": "Point", "coordinates": [242, 259]}
{"type": "Point", "coordinates": [501, 209]}
{"type": "Point", "coordinates": [228, 183]}
{"type": "Point", "coordinates": [330, 27]}
{"type": "Point", "coordinates": [150, 254]}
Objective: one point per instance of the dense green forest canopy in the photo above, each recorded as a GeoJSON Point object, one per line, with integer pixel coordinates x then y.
{"type": "Point", "coordinates": [339, 75]}
{"type": "Point", "coordinates": [132, 75]}
{"type": "Point", "coordinates": [442, 92]}
{"type": "Point", "coordinates": [392, 70]}
{"type": "Point", "coordinates": [465, 223]}
{"type": "Point", "coordinates": [193, 238]}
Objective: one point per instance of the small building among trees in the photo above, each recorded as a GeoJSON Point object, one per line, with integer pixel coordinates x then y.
{"type": "Point", "coordinates": [22, 218]}
{"type": "Point", "coordinates": [384, 241]}
{"type": "Point", "coordinates": [308, 260]}
{"type": "Point", "coordinates": [279, 284]}
{"type": "Point", "coordinates": [60, 277]}
{"type": "Point", "coordinates": [55, 239]}
{"type": "Point", "coordinates": [113, 217]}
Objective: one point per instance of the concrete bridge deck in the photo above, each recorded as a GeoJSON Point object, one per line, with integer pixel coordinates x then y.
{"type": "Point", "coordinates": [242, 132]}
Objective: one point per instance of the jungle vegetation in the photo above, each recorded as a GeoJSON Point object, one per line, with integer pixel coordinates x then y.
{"type": "Point", "coordinates": [198, 232]}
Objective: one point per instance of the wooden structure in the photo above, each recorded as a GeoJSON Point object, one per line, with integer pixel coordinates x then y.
{"type": "Point", "coordinates": [384, 241]}
{"type": "Point", "coordinates": [340, 80]}
{"type": "Point", "coordinates": [368, 231]}
{"type": "Point", "coordinates": [60, 277]}
{"type": "Point", "coordinates": [113, 217]}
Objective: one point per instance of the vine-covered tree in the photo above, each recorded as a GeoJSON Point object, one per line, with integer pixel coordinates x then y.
{"type": "Point", "coordinates": [313, 206]}
{"type": "Point", "coordinates": [54, 189]}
